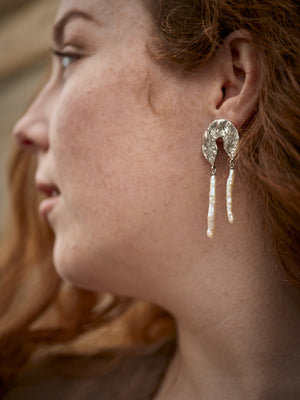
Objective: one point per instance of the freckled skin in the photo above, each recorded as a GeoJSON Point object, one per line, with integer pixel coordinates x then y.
{"type": "Point", "coordinates": [123, 148]}
{"type": "Point", "coordinates": [121, 138]}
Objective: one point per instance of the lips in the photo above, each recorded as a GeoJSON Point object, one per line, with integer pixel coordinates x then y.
{"type": "Point", "coordinates": [50, 190]}
{"type": "Point", "coordinates": [52, 195]}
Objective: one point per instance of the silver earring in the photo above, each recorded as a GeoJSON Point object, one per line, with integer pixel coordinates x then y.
{"type": "Point", "coordinates": [224, 129]}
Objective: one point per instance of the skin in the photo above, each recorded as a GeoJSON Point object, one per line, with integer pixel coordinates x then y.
{"type": "Point", "coordinates": [121, 138]}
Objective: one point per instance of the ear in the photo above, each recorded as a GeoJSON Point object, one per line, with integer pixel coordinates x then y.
{"type": "Point", "coordinates": [238, 78]}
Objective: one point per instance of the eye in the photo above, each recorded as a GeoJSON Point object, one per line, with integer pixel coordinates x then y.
{"type": "Point", "coordinates": [65, 58]}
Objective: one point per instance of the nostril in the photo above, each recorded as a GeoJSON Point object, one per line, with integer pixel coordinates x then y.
{"type": "Point", "coordinates": [31, 135]}
{"type": "Point", "coordinates": [26, 144]}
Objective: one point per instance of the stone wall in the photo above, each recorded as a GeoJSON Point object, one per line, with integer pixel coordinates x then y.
{"type": "Point", "coordinates": [25, 38]}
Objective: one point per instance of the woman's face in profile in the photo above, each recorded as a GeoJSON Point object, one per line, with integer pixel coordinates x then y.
{"type": "Point", "coordinates": [115, 136]}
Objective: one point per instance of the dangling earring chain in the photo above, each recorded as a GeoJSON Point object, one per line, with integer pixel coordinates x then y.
{"type": "Point", "coordinates": [227, 131]}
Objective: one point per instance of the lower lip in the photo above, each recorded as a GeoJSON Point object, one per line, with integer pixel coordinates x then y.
{"type": "Point", "coordinates": [47, 205]}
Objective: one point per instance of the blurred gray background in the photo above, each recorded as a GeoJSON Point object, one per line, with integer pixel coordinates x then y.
{"type": "Point", "coordinates": [25, 38]}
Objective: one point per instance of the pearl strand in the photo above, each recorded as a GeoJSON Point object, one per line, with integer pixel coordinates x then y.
{"type": "Point", "coordinates": [212, 203]}
{"type": "Point", "coordinates": [229, 189]}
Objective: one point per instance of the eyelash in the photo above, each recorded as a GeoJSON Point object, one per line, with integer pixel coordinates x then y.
{"type": "Point", "coordinates": [61, 55]}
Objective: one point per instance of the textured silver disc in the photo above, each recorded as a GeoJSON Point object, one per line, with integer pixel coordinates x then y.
{"type": "Point", "coordinates": [225, 130]}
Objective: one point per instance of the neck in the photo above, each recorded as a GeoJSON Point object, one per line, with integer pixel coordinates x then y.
{"type": "Point", "coordinates": [253, 352]}
{"type": "Point", "coordinates": [242, 337]}
{"type": "Point", "coordinates": [257, 357]}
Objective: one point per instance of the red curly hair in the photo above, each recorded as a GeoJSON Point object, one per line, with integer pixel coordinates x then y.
{"type": "Point", "coordinates": [185, 35]}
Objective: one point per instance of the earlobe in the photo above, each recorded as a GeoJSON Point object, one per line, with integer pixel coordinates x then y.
{"type": "Point", "coordinates": [241, 78]}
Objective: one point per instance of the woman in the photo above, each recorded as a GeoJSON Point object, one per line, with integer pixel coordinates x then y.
{"type": "Point", "coordinates": [117, 133]}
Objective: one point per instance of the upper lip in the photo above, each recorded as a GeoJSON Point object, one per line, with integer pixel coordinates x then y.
{"type": "Point", "coordinates": [48, 188]}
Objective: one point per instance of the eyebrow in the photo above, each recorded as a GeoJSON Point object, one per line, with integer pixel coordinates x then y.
{"type": "Point", "coordinates": [60, 25]}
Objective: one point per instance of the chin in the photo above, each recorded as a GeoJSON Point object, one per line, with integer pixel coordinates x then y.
{"type": "Point", "coordinates": [69, 263]}
{"type": "Point", "coordinates": [77, 266]}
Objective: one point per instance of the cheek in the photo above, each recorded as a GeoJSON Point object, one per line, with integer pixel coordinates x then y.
{"type": "Point", "coordinates": [100, 143]}
{"type": "Point", "coordinates": [126, 174]}
{"type": "Point", "coordinates": [94, 114]}
{"type": "Point", "coordinates": [108, 137]}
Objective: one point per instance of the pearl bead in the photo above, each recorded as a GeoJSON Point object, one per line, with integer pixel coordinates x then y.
{"type": "Point", "coordinates": [211, 209]}
{"type": "Point", "coordinates": [229, 189]}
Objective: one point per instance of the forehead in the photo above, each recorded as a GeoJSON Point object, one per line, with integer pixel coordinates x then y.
{"type": "Point", "coordinates": [102, 9]}
{"type": "Point", "coordinates": [86, 5]}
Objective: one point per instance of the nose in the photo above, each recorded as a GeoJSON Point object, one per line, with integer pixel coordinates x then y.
{"type": "Point", "coordinates": [31, 130]}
